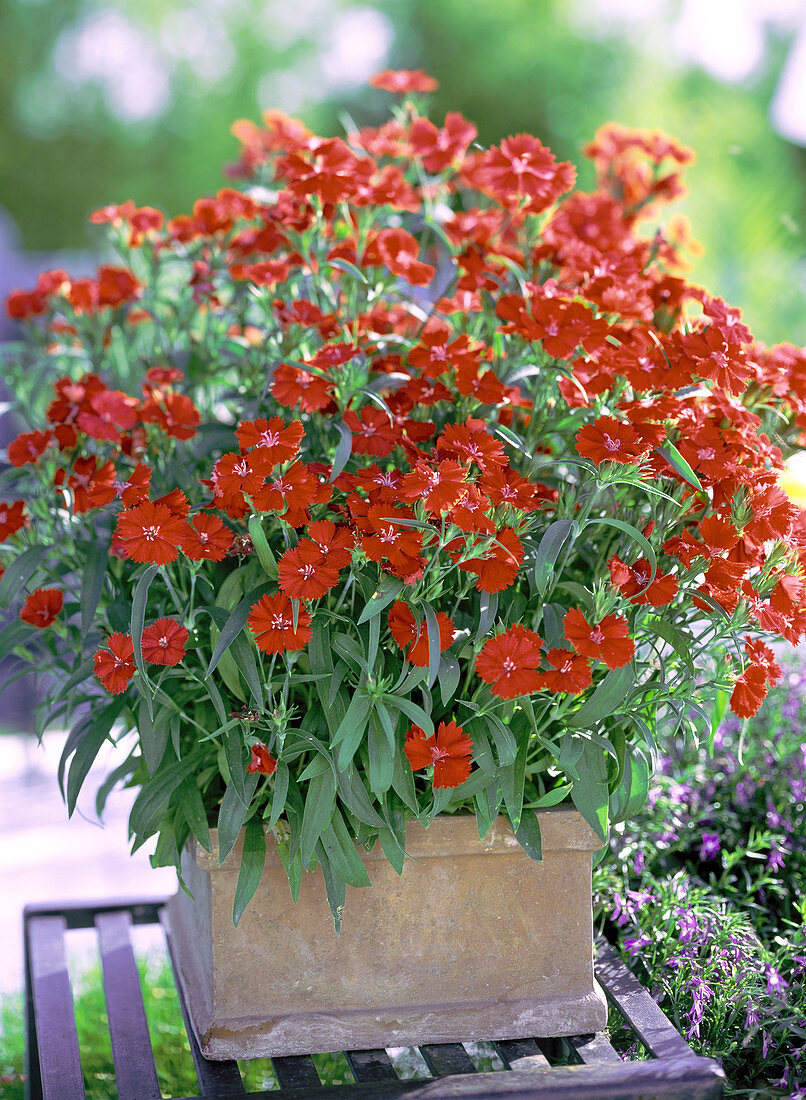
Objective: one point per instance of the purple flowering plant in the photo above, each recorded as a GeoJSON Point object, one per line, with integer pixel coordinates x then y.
{"type": "Point", "coordinates": [704, 895]}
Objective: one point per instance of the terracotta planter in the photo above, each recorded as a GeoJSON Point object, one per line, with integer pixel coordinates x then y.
{"type": "Point", "coordinates": [474, 940]}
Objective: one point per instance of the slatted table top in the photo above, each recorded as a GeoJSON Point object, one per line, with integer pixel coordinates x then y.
{"type": "Point", "coordinates": [530, 1066]}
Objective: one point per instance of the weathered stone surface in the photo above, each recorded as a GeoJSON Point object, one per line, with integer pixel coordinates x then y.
{"type": "Point", "coordinates": [474, 940]}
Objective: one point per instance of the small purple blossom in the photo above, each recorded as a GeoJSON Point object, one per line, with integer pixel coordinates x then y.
{"type": "Point", "coordinates": [710, 846]}
{"type": "Point", "coordinates": [776, 984]}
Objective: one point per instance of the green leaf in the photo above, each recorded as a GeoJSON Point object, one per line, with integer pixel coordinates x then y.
{"type": "Point", "coordinates": [252, 862]}
{"type": "Point", "coordinates": [348, 269]}
{"type": "Point", "coordinates": [150, 803]}
{"type": "Point", "coordinates": [676, 639]}
{"type": "Point", "coordinates": [234, 625]}
{"type": "Point", "coordinates": [679, 464]}
{"type": "Point", "coordinates": [243, 656]}
{"type": "Point", "coordinates": [512, 782]}
{"type": "Point", "coordinates": [139, 601]}
{"type": "Point", "coordinates": [590, 792]}
{"type": "Point", "coordinates": [636, 536]}
{"type": "Point", "coordinates": [606, 700]}
{"type": "Point", "coordinates": [19, 572]}
{"type": "Point", "coordinates": [412, 711]}
{"type": "Point", "coordinates": [551, 798]}
{"type": "Point", "coordinates": [385, 594]}
{"type": "Point", "coordinates": [335, 886]}
{"type": "Point", "coordinates": [351, 730]}
{"type": "Point", "coordinates": [92, 585]}
{"type": "Point", "coordinates": [320, 801]}
{"type": "Point", "coordinates": [14, 634]}
{"type": "Point", "coordinates": [549, 550]}
{"type": "Point", "coordinates": [261, 545]}
{"type": "Point", "coordinates": [232, 813]}
{"type": "Point", "coordinates": [235, 751]}
{"type": "Point", "coordinates": [505, 744]}
{"type": "Point", "coordinates": [93, 736]}
{"type": "Point", "coordinates": [488, 608]}
{"type": "Point", "coordinates": [528, 835]}
{"type": "Point", "coordinates": [153, 735]}
{"type": "Point", "coordinates": [448, 677]}
{"type": "Point", "coordinates": [342, 853]}
{"type": "Point", "coordinates": [381, 757]}
{"type": "Point", "coordinates": [281, 777]}
{"type": "Point", "coordinates": [354, 795]}
{"type": "Point", "coordinates": [192, 807]}
{"type": "Point", "coordinates": [432, 627]}
{"type": "Point", "coordinates": [344, 448]}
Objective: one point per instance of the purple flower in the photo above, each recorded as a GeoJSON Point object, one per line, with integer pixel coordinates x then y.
{"type": "Point", "coordinates": [775, 860]}
{"type": "Point", "coordinates": [776, 985]}
{"type": "Point", "coordinates": [635, 943]}
{"type": "Point", "coordinates": [710, 846]}
{"type": "Point", "coordinates": [688, 925]}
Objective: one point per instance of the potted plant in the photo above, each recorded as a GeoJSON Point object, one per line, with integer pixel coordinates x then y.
{"type": "Point", "coordinates": [387, 512]}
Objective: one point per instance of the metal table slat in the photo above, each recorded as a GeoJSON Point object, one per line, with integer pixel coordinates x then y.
{"type": "Point", "coordinates": [594, 1050]}
{"type": "Point", "coordinates": [296, 1071]}
{"type": "Point", "coordinates": [444, 1059]}
{"type": "Point", "coordinates": [653, 1027]}
{"type": "Point", "coordinates": [135, 1072]}
{"type": "Point", "coordinates": [217, 1080]}
{"type": "Point", "coordinates": [56, 1036]}
{"type": "Point", "coordinates": [371, 1065]}
{"type": "Point", "coordinates": [523, 1054]}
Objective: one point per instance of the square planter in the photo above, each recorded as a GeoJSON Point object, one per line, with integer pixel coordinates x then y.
{"type": "Point", "coordinates": [474, 940]}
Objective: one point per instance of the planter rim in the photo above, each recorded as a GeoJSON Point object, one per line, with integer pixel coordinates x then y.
{"type": "Point", "coordinates": [561, 829]}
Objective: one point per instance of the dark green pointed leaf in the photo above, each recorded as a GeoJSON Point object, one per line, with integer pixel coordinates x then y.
{"type": "Point", "coordinates": [550, 548]}
{"type": "Point", "coordinates": [19, 572]}
{"type": "Point", "coordinates": [679, 464]}
{"type": "Point", "coordinates": [92, 585]}
{"type": "Point", "coordinates": [251, 871]}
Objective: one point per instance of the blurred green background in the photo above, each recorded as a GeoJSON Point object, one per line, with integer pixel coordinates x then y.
{"type": "Point", "coordinates": [104, 100]}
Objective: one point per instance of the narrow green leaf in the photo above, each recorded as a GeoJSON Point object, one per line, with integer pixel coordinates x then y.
{"type": "Point", "coordinates": [448, 677]}
{"type": "Point", "coordinates": [19, 572]}
{"type": "Point", "coordinates": [235, 750]}
{"type": "Point", "coordinates": [606, 700]}
{"type": "Point", "coordinates": [153, 735]}
{"type": "Point", "coordinates": [381, 757]}
{"type": "Point", "coordinates": [590, 792]}
{"type": "Point", "coordinates": [150, 803]}
{"type": "Point", "coordinates": [676, 639]}
{"type": "Point", "coordinates": [432, 626]}
{"type": "Point", "coordinates": [528, 835]}
{"type": "Point", "coordinates": [679, 464]}
{"type": "Point", "coordinates": [234, 625]}
{"type": "Point", "coordinates": [278, 796]}
{"type": "Point", "coordinates": [232, 813]}
{"type": "Point", "coordinates": [261, 545]}
{"type": "Point", "coordinates": [319, 803]}
{"type": "Point", "coordinates": [344, 448]}
{"type": "Point", "coordinates": [139, 601]}
{"type": "Point", "coordinates": [386, 594]}
{"type": "Point", "coordinates": [94, 735]}
{"type": "Point", "coordinates": [343, 854]}
{"type": "Point", "coordinates": [335, 886]}
{"type": "Point", "coordinates": [190, 802]}
{"type": "Point", "coordinates": [412, 711]}
{"type": "Point", "coordinates": [636, 536]}
{"type": "Point", "coordinates": [92, 584]}
{"type": "Point", "coordinates": [551, 545]}
{"type": "Point", "coordinates": [252, 863]}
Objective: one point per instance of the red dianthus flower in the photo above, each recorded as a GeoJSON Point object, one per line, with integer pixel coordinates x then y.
{"type": "Point", "coordinates": [449, 750]}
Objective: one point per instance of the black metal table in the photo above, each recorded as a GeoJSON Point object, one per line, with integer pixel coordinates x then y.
{"type": "Point", "coordinates": [531, 1068]}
